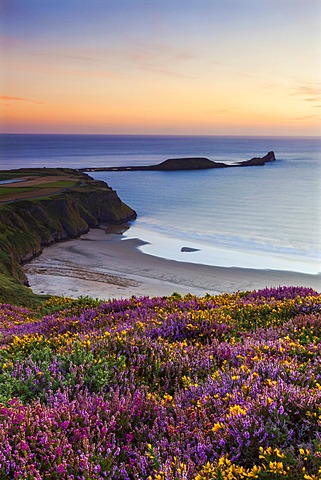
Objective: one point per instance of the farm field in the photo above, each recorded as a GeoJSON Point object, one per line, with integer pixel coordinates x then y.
{"type": "Point", "coordinates": [26, 184]}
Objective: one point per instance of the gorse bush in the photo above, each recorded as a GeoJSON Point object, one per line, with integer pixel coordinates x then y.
{"type": "Point", "coordinates": [171, 388]}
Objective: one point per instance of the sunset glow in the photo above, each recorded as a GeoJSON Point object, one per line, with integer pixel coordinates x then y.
{"type": "Point", "coordinates": [183, 67]}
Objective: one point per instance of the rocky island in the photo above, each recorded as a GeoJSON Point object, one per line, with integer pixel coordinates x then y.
{"type": "Point", "coordinates": [186, 163]}
{"type": "Point", "coordinates": [42, 206]}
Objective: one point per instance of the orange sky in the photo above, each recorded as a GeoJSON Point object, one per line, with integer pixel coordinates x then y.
{"type": "Point", "coordinates": [207, 67]}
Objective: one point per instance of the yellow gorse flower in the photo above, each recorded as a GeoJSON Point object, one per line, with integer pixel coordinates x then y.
{"type": "Point", "coordinates": [217, 426]}
{"type": "Point", "coordinates": [236, 410]}
{"type": "Point", "coordinates": [277, 467]}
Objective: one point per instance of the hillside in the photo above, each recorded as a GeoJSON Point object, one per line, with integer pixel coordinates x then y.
{"type": "Point", "coordinates": [43, 206]}
{"type": "Point", "coordinates": [171, 388]}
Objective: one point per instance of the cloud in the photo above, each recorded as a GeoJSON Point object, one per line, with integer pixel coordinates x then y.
{"type": "Point", "coordinates": [4, 98]}
{"type": "Point", "coordinates": [310, 92]}
{"type": "Point", "coordinates": [307, 117]}
{"type": "Point", "coordinates": [98, 60]}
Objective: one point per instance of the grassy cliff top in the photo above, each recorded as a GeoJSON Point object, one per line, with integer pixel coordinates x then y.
{"type": "Point", "coordinates": [30, 183]}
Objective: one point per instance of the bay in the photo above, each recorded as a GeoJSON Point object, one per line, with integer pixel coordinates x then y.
{"type": "Point", "coordinates": [256, 217]}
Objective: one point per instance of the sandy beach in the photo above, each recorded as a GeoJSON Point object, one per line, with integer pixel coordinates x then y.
{"type": "Point", "coordinates": [105, 265]}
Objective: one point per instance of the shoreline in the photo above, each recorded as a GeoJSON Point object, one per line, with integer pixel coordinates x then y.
{"type": "Point", "coordinates": [103, 264]}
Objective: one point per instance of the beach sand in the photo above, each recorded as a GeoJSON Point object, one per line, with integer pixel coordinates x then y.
{"type": "Point", "coordinates": [104, 265]}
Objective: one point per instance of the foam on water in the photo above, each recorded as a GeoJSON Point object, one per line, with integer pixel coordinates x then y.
{"type": "Point", "coordinates": [170, 247]}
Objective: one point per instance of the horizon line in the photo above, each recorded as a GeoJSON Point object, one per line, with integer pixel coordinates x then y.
{"type": "Point", "coordinates": [163, 135]}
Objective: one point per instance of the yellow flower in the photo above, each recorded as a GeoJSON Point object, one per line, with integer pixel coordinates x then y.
{"type": "Point", "coordinates": [236, 410]}
{"type": "Point", "coordinates": [224, 461]}
{"type": "Point", "coordinates": [255, 358]}
{"type": "Point", "coordinates": [186, 382]}
{"type": "Point", "coordinates": [276, 467]}
{"type": "Point", "coordinates": [306, 453]}
{"type": "Point", "coordinates": [168, 397]}
{"type": "Point", "coordinates": [217, 426]}
{"type": "Point", "coordinates": [278, 453]}
{"type": "Point", "coordinates": [253, 472]}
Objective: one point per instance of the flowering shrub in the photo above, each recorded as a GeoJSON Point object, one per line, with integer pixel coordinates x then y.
{"type": "Point", "coordinates": [170, 388]}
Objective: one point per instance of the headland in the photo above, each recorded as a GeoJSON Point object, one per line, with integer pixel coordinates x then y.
{"type": "Point", "coordinates": [39, 207]}
{"type": "Point", "coordinates": [186, 163]}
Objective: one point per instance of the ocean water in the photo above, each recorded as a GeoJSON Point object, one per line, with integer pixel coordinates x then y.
{"type": "Point", "coordinates": [256, 217]}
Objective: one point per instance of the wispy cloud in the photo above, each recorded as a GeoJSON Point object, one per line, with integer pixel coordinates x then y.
{"type": "Point", "coordinates": [8, 99]}
{"type": "Point", "coordinates": [310, 92]}
{"type": "Point", "coordinates": [163, 59]}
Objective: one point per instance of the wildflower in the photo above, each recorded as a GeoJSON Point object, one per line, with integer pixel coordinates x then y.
{"type": "Point", "coordinates": [277, 467]}
{"type": "Point", "coordinates": [237, 410]}
{"type": "Point", "coordinates": [167, 398]}
{"type": "Point", "coordinates": [279, 454]}
{"type": "Point", "coordinates": [253, 472]}
{"type": "Point", "coordinates": [218, 426]}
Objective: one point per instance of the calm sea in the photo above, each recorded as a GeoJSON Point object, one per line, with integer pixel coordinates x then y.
{"type": "Point", "coordinates": [258, 217]}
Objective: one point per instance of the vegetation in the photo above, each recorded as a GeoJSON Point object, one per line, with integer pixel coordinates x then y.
{"type": "Point", "coordinates": [48, 206]}
{"type": "Point", "coordinates": [171, 388]}
{"type": "Point", "coordinates": [16, 190]}
{"type": "Point", "coordinates": [221, 387]}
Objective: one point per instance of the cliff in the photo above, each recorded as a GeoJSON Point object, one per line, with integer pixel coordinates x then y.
{"type": "Point", "coordinates": [75, 204]}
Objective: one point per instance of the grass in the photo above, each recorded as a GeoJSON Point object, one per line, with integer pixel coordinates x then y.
{"type": "Point", "coordinates": [61, 184]}
{"type": "Point", "coordinates": [13, 190]}
{"type": "Point", "coordinates": [13, 292]}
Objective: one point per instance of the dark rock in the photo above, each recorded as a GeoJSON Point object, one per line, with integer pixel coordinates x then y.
{"type": "Point", "coordinates": [189, 249]}
{"type": "Point", "coordinates": [194, 163]}
{"type": "Point", "coordinates": [257, 161]}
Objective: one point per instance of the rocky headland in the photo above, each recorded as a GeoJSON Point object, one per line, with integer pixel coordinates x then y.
{"type": "Point", "coordinates": [45, 207]}
{"type": "Point", "coordinates": [186, 163]}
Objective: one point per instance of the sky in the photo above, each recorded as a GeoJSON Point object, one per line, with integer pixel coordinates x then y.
{"type": "Point", "coordinates": [203, 67]}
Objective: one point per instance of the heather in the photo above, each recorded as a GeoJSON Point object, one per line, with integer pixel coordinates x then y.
{"type": "Point", "coordinates": [168, 388]}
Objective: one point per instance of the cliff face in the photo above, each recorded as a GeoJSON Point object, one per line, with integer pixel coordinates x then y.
{"type": "Point", "coordinates": [28, 225]}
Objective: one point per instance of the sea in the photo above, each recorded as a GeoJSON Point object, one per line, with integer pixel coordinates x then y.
{"type": "Point", "coordinates": [266, 217]}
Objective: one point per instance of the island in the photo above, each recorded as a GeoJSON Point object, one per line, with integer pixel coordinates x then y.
{"type": "Point", "coordinates": [186, 163]}
{"type": "Point", "coordinates": [41, 206]}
